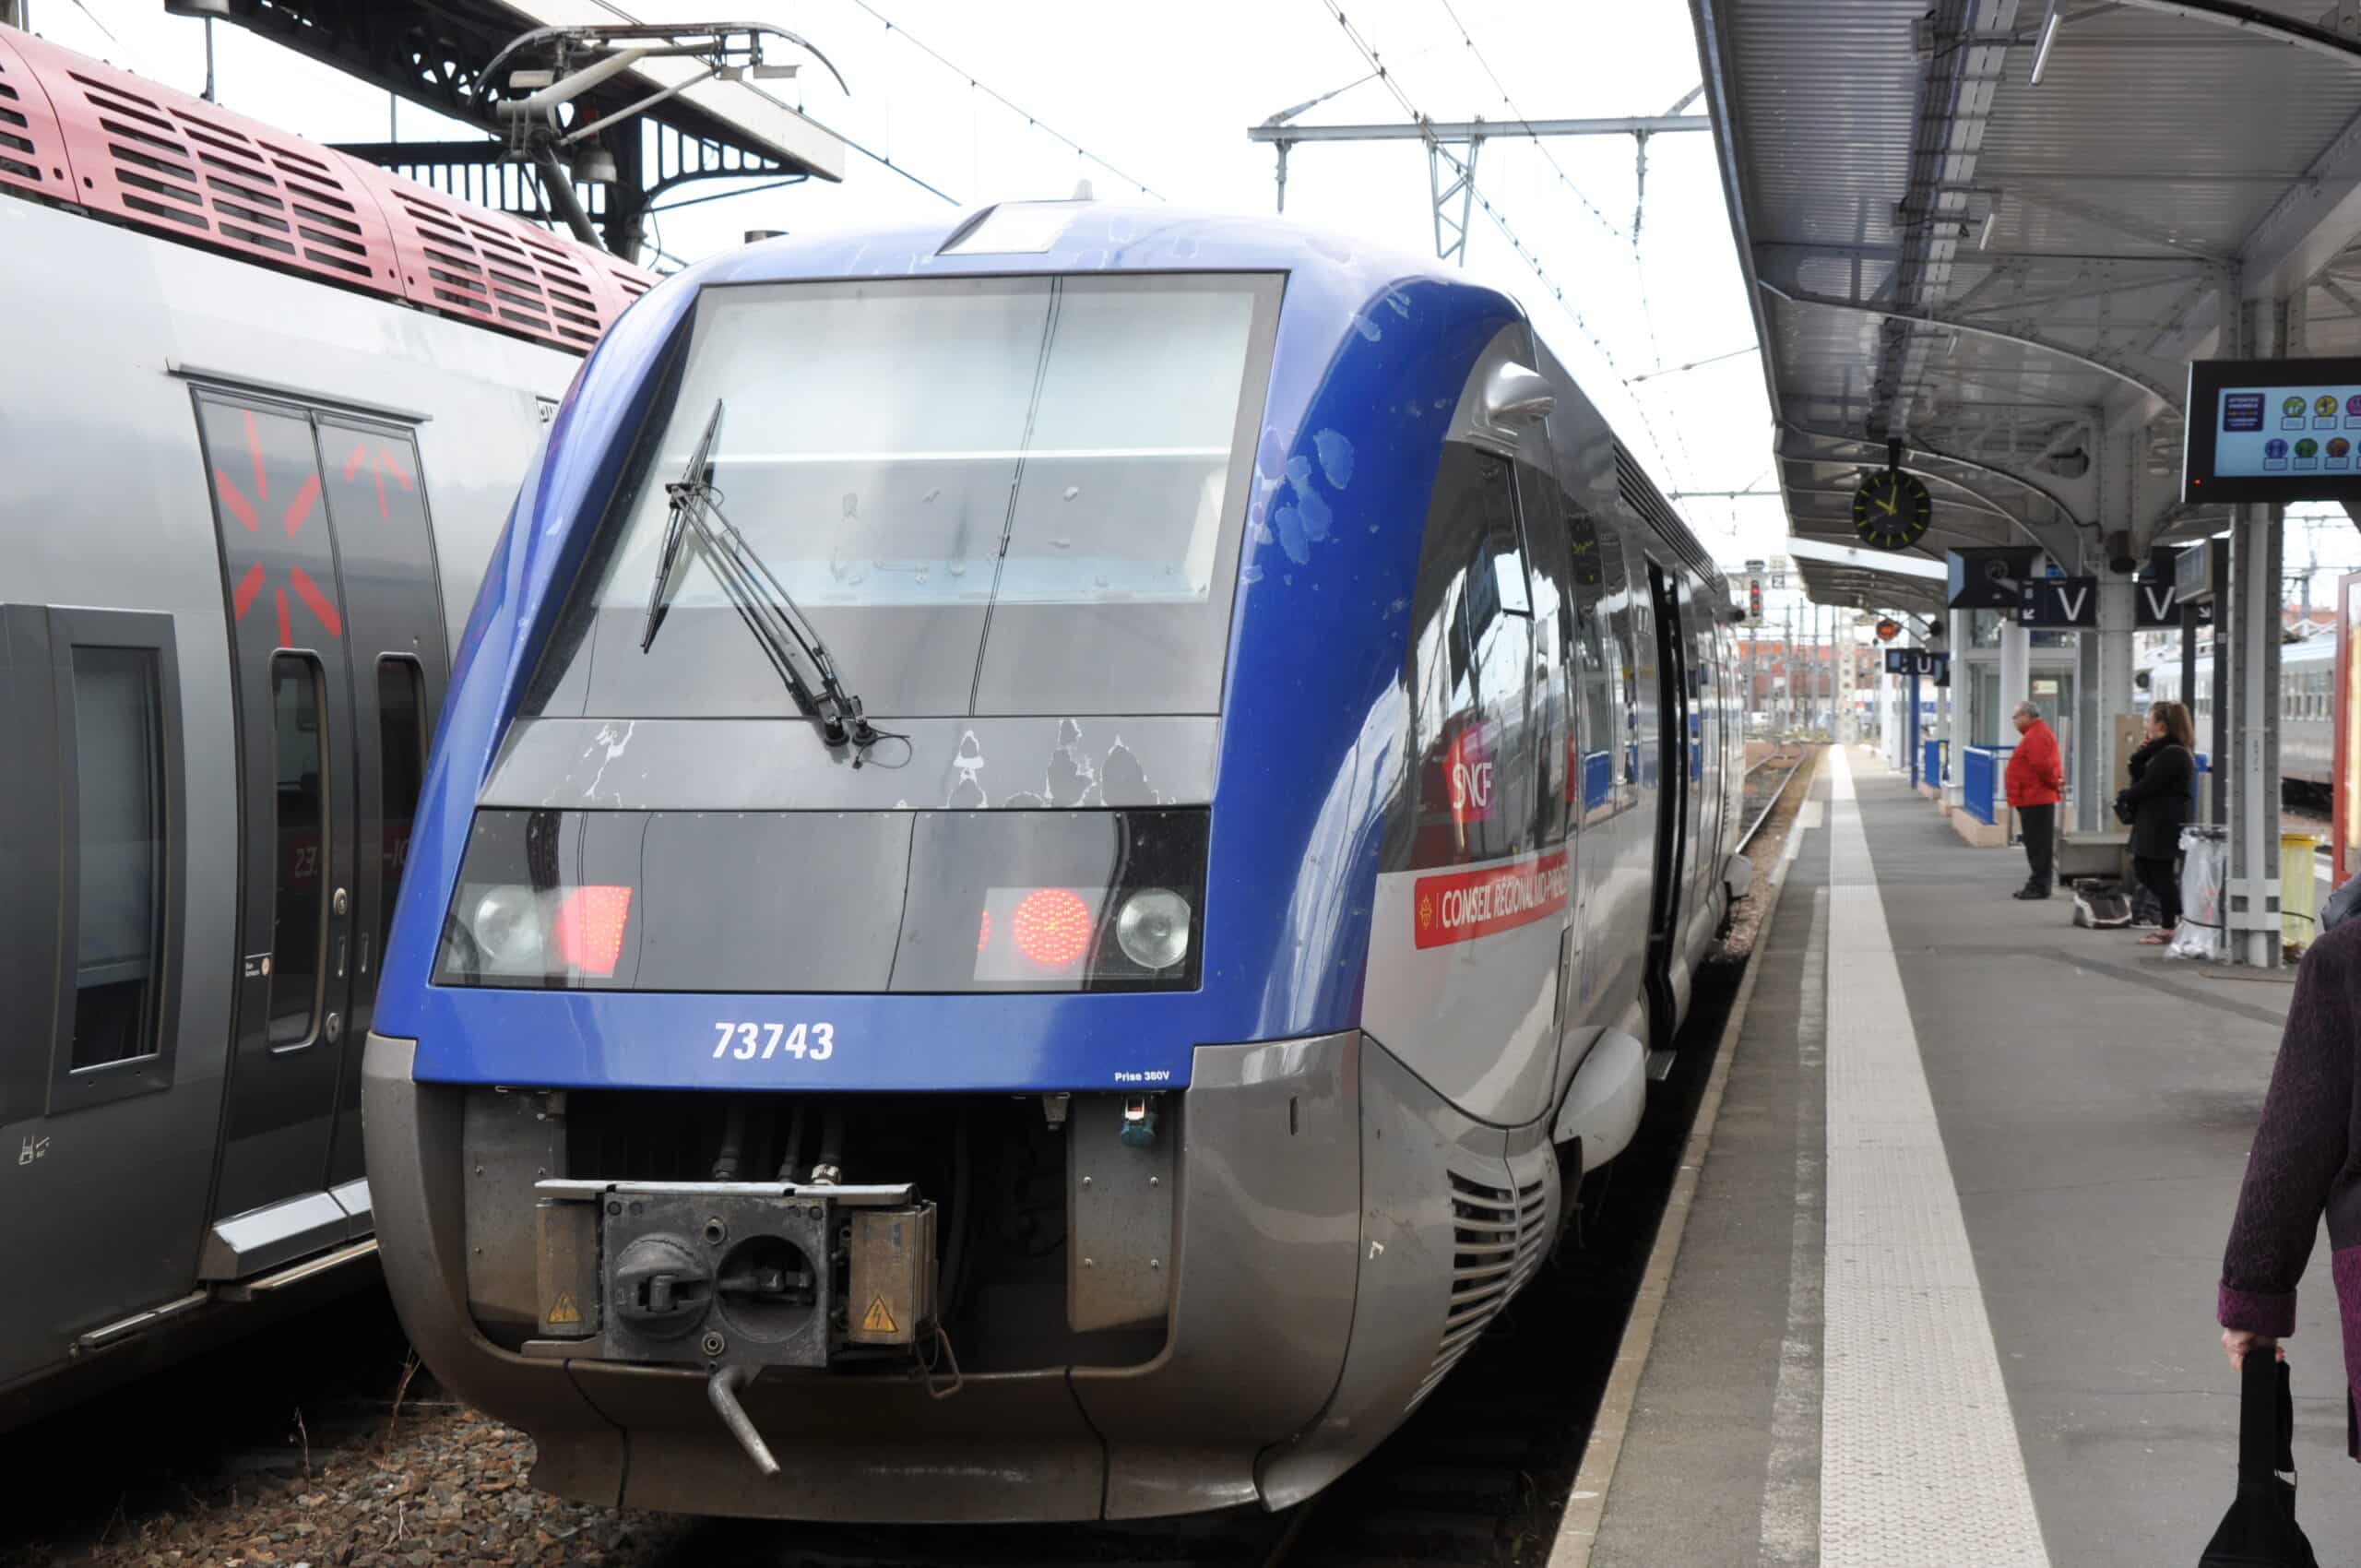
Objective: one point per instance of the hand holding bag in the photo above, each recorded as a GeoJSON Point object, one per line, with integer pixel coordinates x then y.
{"type": "Point", "coordinates": [2259, 1530]}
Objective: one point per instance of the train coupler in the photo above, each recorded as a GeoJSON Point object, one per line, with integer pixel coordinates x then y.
{"type": "Point", "coordinates": [734, 1274]}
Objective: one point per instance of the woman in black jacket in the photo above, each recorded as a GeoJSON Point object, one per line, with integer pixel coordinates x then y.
{"type": "Point", "coordinates": [2163, 781]}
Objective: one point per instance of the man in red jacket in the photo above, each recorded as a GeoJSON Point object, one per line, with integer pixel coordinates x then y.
{"type": "Point", "coordinates": [2036, 774]}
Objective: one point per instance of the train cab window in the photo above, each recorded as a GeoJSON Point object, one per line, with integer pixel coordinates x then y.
{"type": "Point", "coordinates": [299, 926]}
{"type": "Point", "coordinates": [990, 495]}
{"type": "Point", "coordinates": [119, 855]}
{"type": "Point", "coordinates": [401, 751]}
{"type": "Point", "coordinates": [1499, 546]}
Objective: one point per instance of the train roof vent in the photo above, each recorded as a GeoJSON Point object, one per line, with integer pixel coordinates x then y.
{"type": "Point", "coordinates": [1498, 1236]}
{"type": "Point", "coordinates": [631, 280]}
{"type": "Point", "coordinates": [32, 148]}
{"type": "Point", "coordinates": [1640, 493]}
{"type": "Point", "coordinates": [164, 160]}
{"type": "Point", "coordinates": [486, 266]}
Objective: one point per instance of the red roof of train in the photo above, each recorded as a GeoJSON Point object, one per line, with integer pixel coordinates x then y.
{"type": "Point", "coordinates": [80, 132]}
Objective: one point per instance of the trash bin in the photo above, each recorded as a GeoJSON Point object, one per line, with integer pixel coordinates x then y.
{"type": "Point", "coordinates": [2204, 856]}
{"type": "Point", "coordinates": [2296, 920]}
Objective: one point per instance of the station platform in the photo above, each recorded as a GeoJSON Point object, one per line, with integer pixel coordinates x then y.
{"type": "Point", "coordinates": [1943, 1292]}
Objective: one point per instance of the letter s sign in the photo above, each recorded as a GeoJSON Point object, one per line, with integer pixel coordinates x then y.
{"type": "Point", "coordinates": [1469, 774]}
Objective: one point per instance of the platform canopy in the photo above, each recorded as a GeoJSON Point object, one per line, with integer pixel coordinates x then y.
{"type": "Point", "coordinates": [435, 53]}
{"type": "Point", "coordinates": [1864, 578]}
{"type": "Point", "coordinates": [1997, 229]}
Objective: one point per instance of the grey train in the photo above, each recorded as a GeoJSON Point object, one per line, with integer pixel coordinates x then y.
{"type": "Point", "coordinates": [1059, 839]}
{"type": "Point", "coordinates": [2307, 711]}
{"type": "Point", "coordinates": [264, 411]}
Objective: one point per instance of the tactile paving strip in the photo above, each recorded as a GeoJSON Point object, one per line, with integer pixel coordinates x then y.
{"type": "Point", "coordinates": [1919, 1462]}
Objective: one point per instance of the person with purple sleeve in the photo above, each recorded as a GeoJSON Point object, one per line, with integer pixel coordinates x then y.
{"type": "Point", "coordinates": [2298, 1172]}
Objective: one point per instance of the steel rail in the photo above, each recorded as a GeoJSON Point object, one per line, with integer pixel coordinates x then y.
{"type": "Point", "coordinates": [1778, 794]}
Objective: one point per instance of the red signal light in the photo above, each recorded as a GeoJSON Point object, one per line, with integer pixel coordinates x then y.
{"type": "Point", "coordinates": [984, 932]}
{"type": "Point", "coordinates": [590, 922]}
{"type": "Point", "coordinates": [1051, 926]}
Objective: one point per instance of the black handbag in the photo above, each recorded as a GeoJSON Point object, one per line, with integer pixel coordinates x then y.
{"type": "Point", "coordinates": [2259, 1530]}
{"type": "Point", "coordinates": [2125, 810]}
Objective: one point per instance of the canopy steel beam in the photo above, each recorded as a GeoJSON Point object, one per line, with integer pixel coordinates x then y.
{"type": "Point", "coordinates": [2257, 22]}
{"type": "Point", "coordinates": [1927, 318]}
{"type": "Point", "coordinates": [1480, 130]}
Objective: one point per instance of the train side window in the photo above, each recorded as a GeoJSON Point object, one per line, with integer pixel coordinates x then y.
{"type": "Point", "coordinates": [118, 855]}
{"type": "Point", "coordinates": [109, 888]}
{"type": "Point", "coordinates": [300, 916]}
{"type": "Point", "coordinates": [401, 751]}
{"type": "Point", "coordinates": [1476, 714]}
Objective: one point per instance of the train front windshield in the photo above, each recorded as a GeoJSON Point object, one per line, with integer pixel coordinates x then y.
{"type": "Point", "coordinates": [992, 496]}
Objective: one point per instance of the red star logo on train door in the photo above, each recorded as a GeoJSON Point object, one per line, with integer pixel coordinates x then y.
{"type": "Point", "coordinates": [386, 467]}
{"type": "Point", "coordinates": [297, 513]}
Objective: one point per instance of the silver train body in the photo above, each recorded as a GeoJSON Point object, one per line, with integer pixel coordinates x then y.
{"type": "Point", "coordinates": [1473, 808]}
{"type": "Point", "coordinates": [242, 512]}
{"type": "Point", "coordinates": [2306, 710]}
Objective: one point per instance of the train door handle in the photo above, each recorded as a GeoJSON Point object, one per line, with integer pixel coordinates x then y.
{"type": "Point", "coordinates": [338, 902]}
{"type": "Point", "coordinates": [341, 942]}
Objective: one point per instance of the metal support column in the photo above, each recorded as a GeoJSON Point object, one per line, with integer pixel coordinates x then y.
{"type": "Point", "coordinates": [2016, 675]}
{"type": "Point", "coordinates": [1955, 715]}
{"type": "Point", "coordinates": [1840, 650]}
{"type": "Point", "coordinates": [2251, 896]}
{"type": "Point", "coordinates": [2083, 757]}
{"type": "Point", "coordinates": [2108, 694]}
{"type": "Point", "coordinates": [1911, 731]}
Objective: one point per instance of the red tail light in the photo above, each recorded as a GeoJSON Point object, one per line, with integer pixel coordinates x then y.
{"type": "Point", "coordinates": [1051, 927]}
{"type": "Point", "coordinates": [590, 921]}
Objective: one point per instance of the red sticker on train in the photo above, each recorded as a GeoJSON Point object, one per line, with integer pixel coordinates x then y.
{"type": "Point", "coordinates": [1464, 905]}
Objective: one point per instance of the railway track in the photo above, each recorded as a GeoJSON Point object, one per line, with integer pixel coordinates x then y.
{"type": "Point", "coordinates": [1766, 783]}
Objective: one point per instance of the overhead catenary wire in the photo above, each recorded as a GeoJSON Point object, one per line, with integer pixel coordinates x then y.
{"type": "Point", "coordinates": [1639, 267]}
{"type": "Point", "coordinates": [1031, 120]}
{"type": "Point", "coordinates": [1500, 221]}
{"type": "Point", "coordinates": [1519, 117]}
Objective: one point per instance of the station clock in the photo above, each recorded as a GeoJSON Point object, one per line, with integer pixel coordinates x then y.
{"type": "Point", "coordinates": [1892, 509]}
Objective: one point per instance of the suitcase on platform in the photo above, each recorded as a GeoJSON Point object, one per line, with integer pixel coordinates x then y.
{"type": "Point", "coordinates": [2101, 902]}
{"type": "Point", "coordinates": [2259, 1531]}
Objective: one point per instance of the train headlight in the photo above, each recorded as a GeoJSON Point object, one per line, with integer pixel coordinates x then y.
{"type": "Point", "coordinates": [509, 925]}
{"type": "Point", "coordinates": [1152, 928]}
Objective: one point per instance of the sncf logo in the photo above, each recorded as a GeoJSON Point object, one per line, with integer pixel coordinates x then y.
{"type": "Point", "coordinates": [1467, 767]}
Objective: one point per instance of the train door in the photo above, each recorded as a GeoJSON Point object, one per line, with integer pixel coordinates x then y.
{"type": "Point", "coordinates": [336, 645]}
{"type": "Point", "coordinates": [1672, 802]}
{"type": "Point", "coordinates": [393, 614]}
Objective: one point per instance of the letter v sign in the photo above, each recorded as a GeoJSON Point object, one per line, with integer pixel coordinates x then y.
{"type": "Point", "coordinates": [2071, 603]}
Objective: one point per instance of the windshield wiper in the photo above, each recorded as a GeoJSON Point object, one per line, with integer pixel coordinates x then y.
{"type": "Point", "coordinates": [779, 625]}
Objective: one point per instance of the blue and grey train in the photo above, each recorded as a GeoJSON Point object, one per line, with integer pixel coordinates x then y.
{"type": "Point", "coordinates": [1052, 845]}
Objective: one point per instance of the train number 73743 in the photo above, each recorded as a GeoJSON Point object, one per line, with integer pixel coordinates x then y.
{"type": "Point", "coordinates": [744, 1042]}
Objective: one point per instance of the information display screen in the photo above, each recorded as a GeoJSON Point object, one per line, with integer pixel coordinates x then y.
{"type": "Point", "coordinates": [2274, 429]}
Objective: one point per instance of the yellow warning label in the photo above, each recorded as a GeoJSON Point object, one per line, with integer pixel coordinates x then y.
{"type": "Point", "coordinates": [879, 1318]}
{"type": "Point", "coordinates": [563, 1310]}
